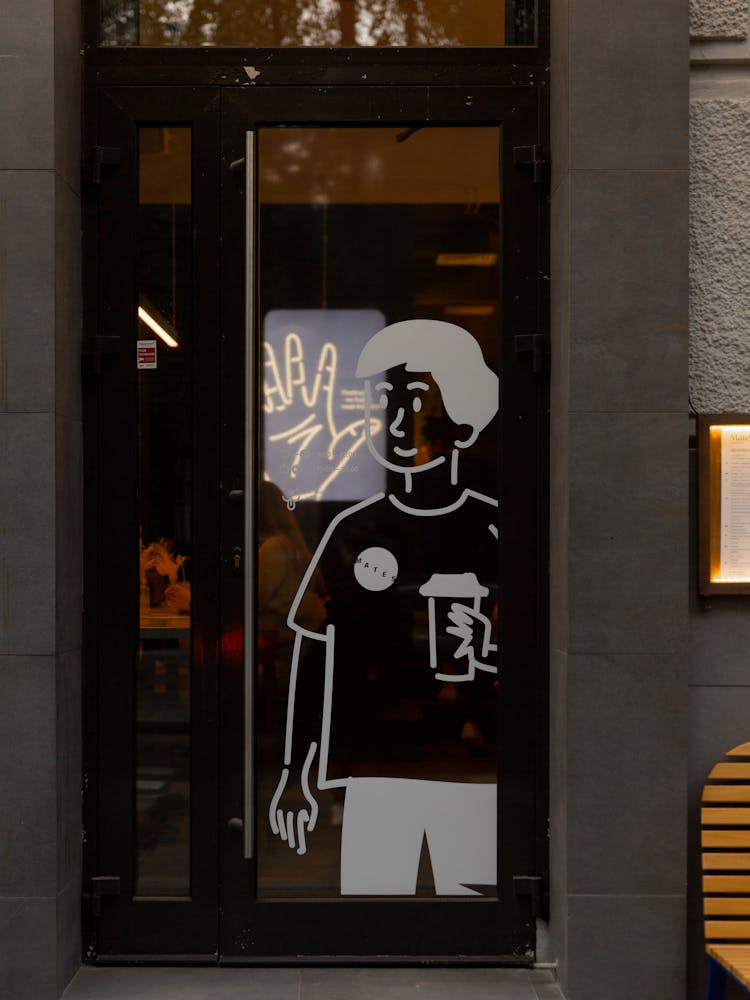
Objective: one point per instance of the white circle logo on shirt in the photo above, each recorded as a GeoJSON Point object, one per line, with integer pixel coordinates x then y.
{"type": "Point", "coordinates": [375, 568]}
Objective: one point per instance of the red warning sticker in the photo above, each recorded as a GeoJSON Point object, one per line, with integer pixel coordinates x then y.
{"type": "Point", "coordinates": [147, 354]}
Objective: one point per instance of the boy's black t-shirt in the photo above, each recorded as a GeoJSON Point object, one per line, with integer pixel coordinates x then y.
{"type": "Point", "coordinates": [390, 715]}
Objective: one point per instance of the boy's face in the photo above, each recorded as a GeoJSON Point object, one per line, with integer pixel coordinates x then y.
{"type": "Point", "coordinates": [398, 398]}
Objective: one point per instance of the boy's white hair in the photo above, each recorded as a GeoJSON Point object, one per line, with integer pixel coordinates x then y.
{"type": "Point", "coordinates": [453, 357]}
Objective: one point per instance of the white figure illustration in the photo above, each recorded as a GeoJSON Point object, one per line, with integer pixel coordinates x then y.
{"type": "Point", "coordinates": [427, 542]}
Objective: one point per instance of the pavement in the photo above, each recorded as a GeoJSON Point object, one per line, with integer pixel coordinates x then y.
{"type": "Point", "coordinates": [106, 983]}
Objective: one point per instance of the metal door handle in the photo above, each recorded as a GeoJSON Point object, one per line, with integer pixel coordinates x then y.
{"type": "Point", "coordinates": [249, 631]}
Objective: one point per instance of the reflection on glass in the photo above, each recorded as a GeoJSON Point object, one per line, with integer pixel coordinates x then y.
{"type": "Point", "coordinates": [322, 23]}
{"type": "Point", "coordinates": [377, 512]}
{"type": "Point", "coordinates": [162, 778]}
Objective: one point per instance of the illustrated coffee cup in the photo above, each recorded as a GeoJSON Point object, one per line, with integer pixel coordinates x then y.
{"type": "Point", "coordinates": [443, 590]}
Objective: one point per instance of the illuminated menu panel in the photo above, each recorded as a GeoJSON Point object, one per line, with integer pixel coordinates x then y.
{"type": "Point", "coordinates": [724, 505]}
{"type": "Point", "coordinates": [735, 503]}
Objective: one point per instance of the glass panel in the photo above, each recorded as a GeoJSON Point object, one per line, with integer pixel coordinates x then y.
{"type": "Point", "coordinates": [339, 23]}
{"type": "Point", "coordinates": [377, 511]}
{"type": "Point", "coordinates": [162, 779]}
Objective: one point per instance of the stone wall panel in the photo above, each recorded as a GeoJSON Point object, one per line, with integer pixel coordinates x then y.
{"type": "Point", "coordinates": [720, 254]}
{"type": "Point", "coordinates": [719, 19]}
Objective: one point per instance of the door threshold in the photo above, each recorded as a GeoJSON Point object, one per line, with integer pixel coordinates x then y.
{"type": "Point", "coordinates": [164, 960]}
{"type": "Point", "coordinates": [320, 961]}
{"type": "Point", "coordinates": [393, 961]}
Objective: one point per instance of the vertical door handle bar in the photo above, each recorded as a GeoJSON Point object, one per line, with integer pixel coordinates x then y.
{"type": "Point", "coordinates": [250, 374]}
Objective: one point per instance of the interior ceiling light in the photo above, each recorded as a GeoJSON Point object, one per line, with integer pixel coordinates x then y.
{"type": "Point", "coordinates": [469, 309]}
{"type": "Point", "coordinates": [466, 259]}
{"type": "Point", "coordinates": [158, 329]}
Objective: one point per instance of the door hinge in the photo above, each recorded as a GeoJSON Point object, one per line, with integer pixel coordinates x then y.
{"type": "Point", "coordinates": [530, 885]}
{"type": "Point", "coordinates": [101, 886]}
{"type": "Point", "coordinates": [532, 156]}
{"type": "Point", "coordinates": [94, 348]}
{"type": "Point", "coordinates": [99, 157]}
{"type": "Point", "coordinates": [536, 345]}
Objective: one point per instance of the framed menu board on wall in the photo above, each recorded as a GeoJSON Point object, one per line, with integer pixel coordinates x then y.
{"type": "Point", "coordinates": [724, 503]}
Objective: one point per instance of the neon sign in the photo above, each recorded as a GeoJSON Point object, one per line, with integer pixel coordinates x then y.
{"type": "Point", "coordinates": [313, 405]}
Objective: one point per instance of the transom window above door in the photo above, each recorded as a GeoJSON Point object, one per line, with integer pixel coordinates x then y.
{"type": "Point", "coordinates": [318, 23]}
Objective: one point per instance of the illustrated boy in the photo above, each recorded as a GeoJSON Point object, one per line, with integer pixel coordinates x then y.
{"type": "Point", "coordinates": [409, 630]}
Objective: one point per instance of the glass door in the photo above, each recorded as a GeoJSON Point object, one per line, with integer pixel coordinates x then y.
{"type": "Point", "coordinates": [380, 737]}
{"type": "Point", "coordinates": [369, 668]}
{"type": "Point", "coordinates": [315, 559]}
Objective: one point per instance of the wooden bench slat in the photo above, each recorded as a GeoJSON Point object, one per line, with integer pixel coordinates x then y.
{"type": "Point", "coordinates": [725, 838]}
{"type": "Point", "coordinates": [725, 862]}
{"type": "Point", "coordinates": [726, 883]}
{"type": "Point", "coordinates": [731, 769]}
{"type": "Point", "coordinates": [734, 957]}
{"type": "Point", "coordinates": [726, 906]}
{"type": "Point", "coordinates": [725, 930]}
{"type": "Point", "coordinates": [725, 841]}
{"type": "Point", "coordinates": [726, 793]}
{"type": "Point", "coordinates": [725, 817]}
{"type": "Point", "coordinates": [737, 954]}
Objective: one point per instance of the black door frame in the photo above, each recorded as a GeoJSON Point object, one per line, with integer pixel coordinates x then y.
{"type": "Point", "coordinates": [187, 931]}
{"type": "Point", "coordinates": [401, 933]}
{"type": "Point", "coordinates": [142, 926]}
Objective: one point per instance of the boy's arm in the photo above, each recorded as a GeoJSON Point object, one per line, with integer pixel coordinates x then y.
{"type": "Point", "coordinates": [290, 817]}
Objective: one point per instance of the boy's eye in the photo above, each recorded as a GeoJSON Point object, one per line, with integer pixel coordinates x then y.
{"type": "Point", "coordinates": [416, 404]}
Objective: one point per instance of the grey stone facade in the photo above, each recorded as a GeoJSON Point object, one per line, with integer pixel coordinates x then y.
{"type": "Point", "coordinates": [719, 18]}
{"type": "Point", "coordinates": [720, 251]}
{"type": "Point", "coordinates": [619, 497]}
{"type": "Point", "coordinates": [719, 694]}
{"type": "Point", "coordinates": [40, 498]}
{"type": "Point", "coordinates": [619, 492]}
